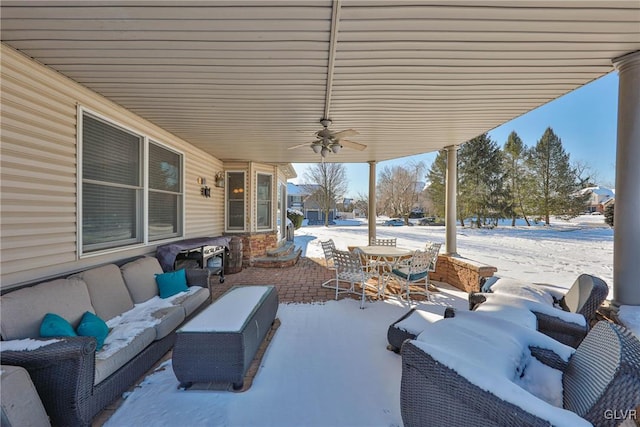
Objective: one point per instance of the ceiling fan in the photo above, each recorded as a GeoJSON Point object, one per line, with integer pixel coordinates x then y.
{"type": "Point", "coordinates": [328, 141]}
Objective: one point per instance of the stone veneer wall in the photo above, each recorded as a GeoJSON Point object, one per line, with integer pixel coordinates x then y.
{"type": "Point", "coordinates": [462, 273]}
{"type": "Point", "coordinates": [255, 245]}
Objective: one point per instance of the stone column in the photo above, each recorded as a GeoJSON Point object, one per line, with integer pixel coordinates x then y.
{"type": "Point", "coordinates": [372, 200]}
{"type": "Point", "coordinates": [450, 208]}
{"type": "Point", "coordinates": [626, 238]}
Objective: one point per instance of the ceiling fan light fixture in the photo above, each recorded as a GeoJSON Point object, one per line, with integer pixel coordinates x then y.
{"type": "Point", "coordinates": [324, 151]}
{"type": "Point", "coordinates": [316, 147]}
{"type": "Point", "coordinates": [335, 147]}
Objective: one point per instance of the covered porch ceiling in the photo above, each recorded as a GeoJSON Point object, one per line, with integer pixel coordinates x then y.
{"type": "Point", "coordinates": [250, 79]}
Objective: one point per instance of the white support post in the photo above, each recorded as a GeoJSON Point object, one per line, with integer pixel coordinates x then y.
{"type": "Point", "coordinates": [372, 200]}
{"type": "Point", "coordinates": [626, 238]}
{"type": "Point", "coordinates": [450, 208]}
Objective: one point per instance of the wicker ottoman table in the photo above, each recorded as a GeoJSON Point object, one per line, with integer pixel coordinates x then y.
{"type": "Point", "coordinates": [219, 344]}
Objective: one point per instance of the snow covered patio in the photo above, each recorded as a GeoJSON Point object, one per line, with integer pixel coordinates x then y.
{"type": "Point", "coordinates": [327, 363]}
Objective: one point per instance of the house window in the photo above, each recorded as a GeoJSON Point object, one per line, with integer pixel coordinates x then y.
{"type": "Point", "coordinates": [263, 202]}
{"type": "Point", "coordinates": [235, 201]}
{"type": "Point", "coordinates": [113, 189]}
{"type": "Point", "coordinates": [165, 193]}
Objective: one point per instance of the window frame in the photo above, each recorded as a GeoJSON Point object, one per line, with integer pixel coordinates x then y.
{"type": "Point", "coordinates": [227, 201]}
{"type": "Point", "coordinates": [142, 208]}
{"type": "Point", "coordinates": [269, 200]}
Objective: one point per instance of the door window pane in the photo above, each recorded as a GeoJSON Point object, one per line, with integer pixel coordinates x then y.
{"type": "Point", "coordinates": [235, 201]}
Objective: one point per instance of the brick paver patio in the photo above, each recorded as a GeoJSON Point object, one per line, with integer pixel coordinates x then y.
{"type": "Point", "coordinates": [300, 283]}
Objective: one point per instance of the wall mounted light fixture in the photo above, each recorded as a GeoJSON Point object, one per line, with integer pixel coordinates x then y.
{"type": "Point", "coordinates": [219, 180]}
{"type": "Point", "coordinates": [204, 190]}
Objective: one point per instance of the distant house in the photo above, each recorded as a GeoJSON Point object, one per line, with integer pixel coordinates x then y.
{"type": "Point", "coordinates": [299, 197]}
{"type": "Point", "coordinates": [599, 197]}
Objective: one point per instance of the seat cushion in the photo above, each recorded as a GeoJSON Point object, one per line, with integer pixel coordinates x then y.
{"type": "Point", "coordinates": [123, 343]}
{"type": "Point", "coordinates": [21, 405]}
{"type": "Point", "coordinates": [109, 295]}
{"type": "Point", "coordinates": [191, 299]}
{"type": "Point", "coordinates": [140, 278]}
{"type": "Point", "coordinates": [413, 277]}
{"type": "Point", "coordinates": [23, 310]}
{"type": "Point", "coordinates": [169, 319]}
{"type": "Point", "coordinates": [578, 293]}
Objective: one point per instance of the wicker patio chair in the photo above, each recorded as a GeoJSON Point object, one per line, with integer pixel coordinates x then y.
{"type": "Point", "coordinates": [601, 378]}
{"type": "Point", "coordinates": [584, 297]}
{"type": "Point", "coordinates": [349, 269]}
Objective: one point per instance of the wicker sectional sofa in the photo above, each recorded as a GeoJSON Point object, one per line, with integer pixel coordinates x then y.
{"type": "Point", "coordinates": [75, 381]}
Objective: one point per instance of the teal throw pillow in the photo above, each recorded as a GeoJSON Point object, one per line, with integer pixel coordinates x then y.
{"type": "Point", "coordinates": [93, 326]}
{"type": "Point", "coordinates": [172, 283]}
{"type": "Point", "coordinates": [53, 325]}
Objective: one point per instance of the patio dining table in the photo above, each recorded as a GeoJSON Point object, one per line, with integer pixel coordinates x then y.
{"type": "Point", "coordinates": [380, 261]}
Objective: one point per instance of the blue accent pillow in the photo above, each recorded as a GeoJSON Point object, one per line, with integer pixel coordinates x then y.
{"type": "Point", "coordinates": [172, 283]}
{"type": "Point", "coordinates": [53, 325]}
{"type": "Point", "coordinates": [93, 326]}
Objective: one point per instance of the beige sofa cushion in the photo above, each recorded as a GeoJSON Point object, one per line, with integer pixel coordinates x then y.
{"type": "Point", "coordinates": [22, 311]}
{"type": "Point", "coordinates": [21, 405]}
{"type": "Point", "coordinates": [115, 355]}
{"type": "Point", "coordinates": [192, 299]}
{"type": "Point", "coordinates": [109, 295]}
{"type": "Point", "coordinates": [140, 278]}
{"type": "Point", "coordinates": [170, 319]}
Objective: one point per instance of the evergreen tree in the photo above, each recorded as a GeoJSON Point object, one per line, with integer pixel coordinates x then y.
{"type": "Point", "coordinates": [556, 185]}
{"type": "Point", "coordinates": [609, 213]}
{"type": "Point", "coordinates": [437, 176]}
{"type": "Point", "coordinates": [480, 180]}
{"type": "Point", "coordinates": [516, 177]}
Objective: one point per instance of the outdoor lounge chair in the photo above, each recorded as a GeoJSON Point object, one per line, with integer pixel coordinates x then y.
{"type": "Point", "coordinates": [600, 380]}
{"type": "Point", "coordinates": [584, 297]}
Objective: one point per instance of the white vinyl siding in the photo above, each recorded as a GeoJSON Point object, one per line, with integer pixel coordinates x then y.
{"type": "Point", "coordinates": [39, 210]}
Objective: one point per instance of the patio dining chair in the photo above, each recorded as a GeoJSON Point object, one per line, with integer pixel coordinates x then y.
{"type": "Point", "coordinates": [349, 269]}
{"type": "Point", "coordinates": [328, 246]}
{"type": "Point", "coordinates": [416, 269]}
{"type": "Point", "coordinates": [391, 241]}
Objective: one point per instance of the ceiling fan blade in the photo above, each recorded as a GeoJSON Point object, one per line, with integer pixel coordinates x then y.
{"type": "Point", "coordinates": [353, 145]}
{"type": "Point", "coordinates": [344, 134]}
{"type": "Point", "coordinates": [306, 144]}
